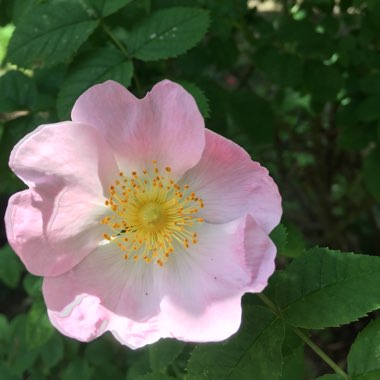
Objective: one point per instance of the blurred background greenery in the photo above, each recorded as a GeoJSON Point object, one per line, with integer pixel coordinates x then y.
{"type": "Point", "coordinates": [296, 83]}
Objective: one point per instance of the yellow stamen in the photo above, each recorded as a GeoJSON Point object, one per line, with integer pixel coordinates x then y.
{"type": "Point", "coordinates": [151, 215]}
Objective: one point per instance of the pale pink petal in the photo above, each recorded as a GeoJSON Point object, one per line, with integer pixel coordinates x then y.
{"type": "Point", "coordinates": [194, 297]}
{"type": "Point", "coordinates": [126, 293]}
{"type": "Point", "coordinates": [85, 319]}
{"type": "Point", "coordinates": [203, 289]}
{"type": "Point", "coordinates": [125, 287]}
{"type": "Point", "coordinates": [231, 184]}
{"type": "Point", "coordinates": [56, 223]}
{"type": "Point", "coordinates": [165, 126]}
{"type": "Point", "coordinates": [64, 154]}
{"type": "Point", "coordinates": [136, 334]}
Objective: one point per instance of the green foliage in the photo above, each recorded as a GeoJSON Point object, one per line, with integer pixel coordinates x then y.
{"type": "Point", "coordinates": [371, 173]}
{"type": "Point", "coordinates": [313, 290]}
{"type": "Point", "coordinates": [103, 8]}
{"type": "Point", "coordinates": [279, 237]}
{"type": "Point", "coordinates": [168, 33]}
{"type": "Point", "coordinates": [104, 64]}
{"type": "Point", "coordinates": [363, 359]}
{"type": "Point", "coordinates": [163, 353]}
{"type": "Point", "coordinates": [199, 97]}
{"type": "Point", "coordinates": [154, 376]}
{"type": "Point", "coordinates": [38, 327]}
{"type": "Point", "coordinates": [5, 35]}
{"type": "Point", "coordinates": [52, 351]}
{"type": "Point", "coordinates": [295, 243]}
{"type": "Point", "coordinates": [324, 82]}
{"type": "Point", "coordinates": [254, 115]}
{"type": "Point", "coordinates": [294, 365]}
{"type": "Point", "coordinates": [50, 33]}
{"type": "Point", "coordinates": [10, 267]}
{"type": "Point", "coordinates": [297, 85]}
{"type": "Point", "coordinates": [78, 370]}
{"type": "Point", "coordinates": [255, 351]}
{"type": "Point", "coordinates": [32, 285]}
{"type": "Point", "coordinates": [19, 92]}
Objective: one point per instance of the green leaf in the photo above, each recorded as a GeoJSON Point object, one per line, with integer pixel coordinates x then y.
{"type": "Point", "coordinates": [355, 135]}
{"type": "Point", "coordinates": [294, 365]}
{"type": "Point", "coordinates": [12, 132]}
{"type": "Point", "coordinates": [324, 82]}
{"type": "Point", "coordinates": [293, 356]}
{"type": "Point", "coordinates": [21, 8]}
{"type": "Point", "coordinates": [330, 377]}
{"type": "Point", "coordinates": [371, 83]}
{"type": "Point", "coordinates": [154, 376]}
{"type": "Point", "coordinates": [253, 115]}
{"type": "Point", "coordinates": [38, 329]}
{"type": "Point", "coordinates": [33, 285]}
{"type": "Point", "coordinates": [52, 351]}
{"type": "Point", "coordinates": [163, 353]}
{"type": "Point", "coordinates": [138, 363]}
{"type": "Point", "coordinates": [295, 241]}
{"type": "Point", "coordinates": [199, 97]}
{"type": "Point", "coordinates": [104, 8]}
{"type": "Point", "coordinates": [20, 356]}
{"type": "Point", "coordinates": [282, 69]}
{"type": "Point", "coordinates": [364, 357]}
{"type": "Point", "coordinates": [368, 110]}
{"type": "Point", "coordinates": [100, 66]}
{"type": "Point", "coordinates": [99, 352]}
{"type": "Point", "coordinates": [10, 267]}
{"type": "Point", "coordinates": [324, 288]}
{"type": "Point", "coordinates": [168, 33]}
{"type": "Point", "coordinates": [371, 170]}
{"type": "Point", "coordinates": [5, 373]}
{"type": "Point", "coordinates": [4, 334]}
{"type": "Point", "coordinates": [253, 353]}
{"type": "Point", "coordinates": [78, 369]}
{"type": "Point", "coordinates": [279, 236]}
{"type": "Point", "coordinates": [18, 92]}
{"type": "Point", "coordinates": [50, 33]}
{"type": "Point", "coordinates": [5, 35]}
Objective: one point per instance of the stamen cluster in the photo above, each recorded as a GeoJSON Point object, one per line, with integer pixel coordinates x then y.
{"type": "Point", "coordinates": [151, 215]}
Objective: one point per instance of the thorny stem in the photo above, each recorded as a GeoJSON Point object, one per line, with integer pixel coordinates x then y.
{"type": "Point", "coordinates": [124, 50]}
{"type": "Point", "coordinates": [306, 340]}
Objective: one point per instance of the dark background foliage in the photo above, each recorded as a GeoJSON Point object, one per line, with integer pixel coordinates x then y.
{"type": "Point", "coordinates": [296, 83]}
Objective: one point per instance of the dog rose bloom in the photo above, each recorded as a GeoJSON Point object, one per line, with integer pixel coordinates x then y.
{"type": "Point", "coordinates": [141, 221]}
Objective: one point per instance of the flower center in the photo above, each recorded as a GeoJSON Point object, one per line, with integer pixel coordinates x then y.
{"type": "Point", "coordinates": [151, 215]}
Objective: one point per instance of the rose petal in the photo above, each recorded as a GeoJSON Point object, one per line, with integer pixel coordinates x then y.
{"type": "Point", "coordinates": [194, 297]}
{"type": "Point", "coordinates": [203, 290]}
{"type": "Point", "coordinates": [231, 184]}
{"type": "Point", "coordinates": [86, 319]}
{"type": "Point", "coordinates": [56, 223]}
{"type": "Point", "coordinates": [165, 126]}
{"type": "Point", "coordinates": [126, 294]}
{"type": "Point", "coordinates": [125, 287]}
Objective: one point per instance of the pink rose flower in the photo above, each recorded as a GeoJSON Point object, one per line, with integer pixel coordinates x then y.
{"type": "Point", "coordinates": [142, 222]}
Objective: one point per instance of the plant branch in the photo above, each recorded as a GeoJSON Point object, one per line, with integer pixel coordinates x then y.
{"type": "Point", "coordinates": [124, 50]}
{"type": "Point", "coordinates": [306, 339]}
{"type": "Point", "coordinates": [321, 353]}
{"type": "Point", "coordinates": [114, 39]}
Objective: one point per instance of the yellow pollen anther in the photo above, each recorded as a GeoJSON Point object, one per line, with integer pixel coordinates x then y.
{"type": "Point", "coordinates": [151, 215]}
